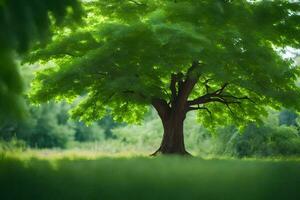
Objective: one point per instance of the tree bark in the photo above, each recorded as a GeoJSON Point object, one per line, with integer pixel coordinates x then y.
{"type": "Point", "coordinates": [173, 137]}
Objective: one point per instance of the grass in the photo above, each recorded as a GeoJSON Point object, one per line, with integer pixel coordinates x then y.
{"type": "Point", "coordinates": [55, 175]}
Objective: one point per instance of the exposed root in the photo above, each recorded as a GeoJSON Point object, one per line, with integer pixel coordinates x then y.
{"type": "Point", "coordinates": [163, 152]}
{"type": "Point", "coordinates": [187, 154]}
{"type": "Point", "coordinates": [158, 151]}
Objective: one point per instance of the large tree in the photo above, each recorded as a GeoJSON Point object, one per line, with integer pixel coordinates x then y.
{"type": "Point", "coordinates": [220, 58]}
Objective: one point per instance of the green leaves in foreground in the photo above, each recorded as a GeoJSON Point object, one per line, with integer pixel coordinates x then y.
{"type": "Point", "coordinates": [11, 87]}
{"type": "Point", "coordinates": [22, 24]}
{"type": "Point", "coordinates": [120, 61]}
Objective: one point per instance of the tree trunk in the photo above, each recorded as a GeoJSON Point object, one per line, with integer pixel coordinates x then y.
{"type": "Point", "coordinates": [173, 138]}
{"type": "Point", "coordinates": [173, 113]}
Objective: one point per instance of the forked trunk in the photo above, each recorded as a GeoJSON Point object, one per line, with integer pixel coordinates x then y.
{"type": "Point", "coordinates": [173, 113]}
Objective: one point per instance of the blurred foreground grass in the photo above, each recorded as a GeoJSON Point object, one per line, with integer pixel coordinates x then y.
{"type": "Point", "coordinates": [53, 175]}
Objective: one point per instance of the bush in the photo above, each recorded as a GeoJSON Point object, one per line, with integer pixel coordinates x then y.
{"type": "Point", "coordinates": [12, 145]}
{"type": "Point", "coordinates": [262, 141]}
{"type": "Point", "coordinates": [45, 127]}
{"type": "Point", "coordinates": [85, 133]}
{"type": "Point", "coordinates": [48, 126]}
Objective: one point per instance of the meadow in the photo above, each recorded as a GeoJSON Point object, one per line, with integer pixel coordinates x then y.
{"type": "Point", "coordinates": [69, 175]}
{"type": "Point", "coordinates": [90, 88]}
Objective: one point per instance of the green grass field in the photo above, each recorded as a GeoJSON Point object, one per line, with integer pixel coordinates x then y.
{"type": "Point", "coordinates": [38, 177]}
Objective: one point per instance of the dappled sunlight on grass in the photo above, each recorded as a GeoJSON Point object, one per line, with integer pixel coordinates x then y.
{"type": "Point", "coordinates": [67, 154]}
{"type": "Point", "coordinates": [74, 154]}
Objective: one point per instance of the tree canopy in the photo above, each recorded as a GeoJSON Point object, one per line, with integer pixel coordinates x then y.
{"type": "Point", "coordinates": [224, 57]}
{"type": "Point", "coordinates": [23, 23]}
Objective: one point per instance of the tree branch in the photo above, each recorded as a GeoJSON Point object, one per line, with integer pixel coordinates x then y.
{"type": "Point", "coordinates": [227, 105]}
{"type": "Point", "coordinates": [240, 98]}
{"type": "Point", "coordinates": [186, 86]}
{"type": "Point", "coordinates": [207, 97]}
{"type": "Point", "coordinates": [219, 96]}
{"type": "Point", "coordinates": [161, 107]}
{"type": "Point", "coordinates": [190, 80]}
{"type": "Point", "coordinates": [222, 88]}
{"type": "Point", "coordinates": [200, 108]}
{"type": "Point", "coordinates": [173, 88]}
{"type": "Point", "coordinates": [207, 87]}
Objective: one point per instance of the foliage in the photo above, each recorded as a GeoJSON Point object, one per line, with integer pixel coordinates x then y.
{"type": "Point", "coordinates": [276, 137]}
{"type": "Point", "coordinates": [233, 44]}
{"type": "Point", "coordinates": [13, 145]}
{"type": "Point", "coordinates": [48, 126]}
{"type": "Point", "coordinates": [268, 141]}
{"type": "Point", "coordinates": [88, 133]}
{"type": "Point", "coordinates": [44, 127]}
{"type": "Point", "coordinates": [23, 23]}
{"type": "Point", "coordinates": [145, 135]}
{"type": "Point", "coordinates": [288, 117]}
{"type": "Point", "coordinates": [100, 130]}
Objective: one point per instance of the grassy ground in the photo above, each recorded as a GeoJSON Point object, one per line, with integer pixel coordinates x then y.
{"type": "Point", "coordinates": [50, 175]}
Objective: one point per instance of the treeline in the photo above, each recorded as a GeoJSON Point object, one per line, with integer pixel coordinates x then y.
{"type": "Point", "coordinates": [278, 136]}
{"type": "Point", "coordinates": [48, 126]}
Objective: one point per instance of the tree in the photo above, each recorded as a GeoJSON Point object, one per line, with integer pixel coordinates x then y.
{"type": "Point", "coordinates": [221, 58]}
{"type": "Point", "coordinates": [22, 24]}
{"type": "Point", "coordinates": [46, 126]}
{"type": "Point", "coordinates": [288, 117]}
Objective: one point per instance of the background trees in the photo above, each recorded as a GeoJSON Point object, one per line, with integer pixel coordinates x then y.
{"type": "Point", "coordinates": [48, 126]}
